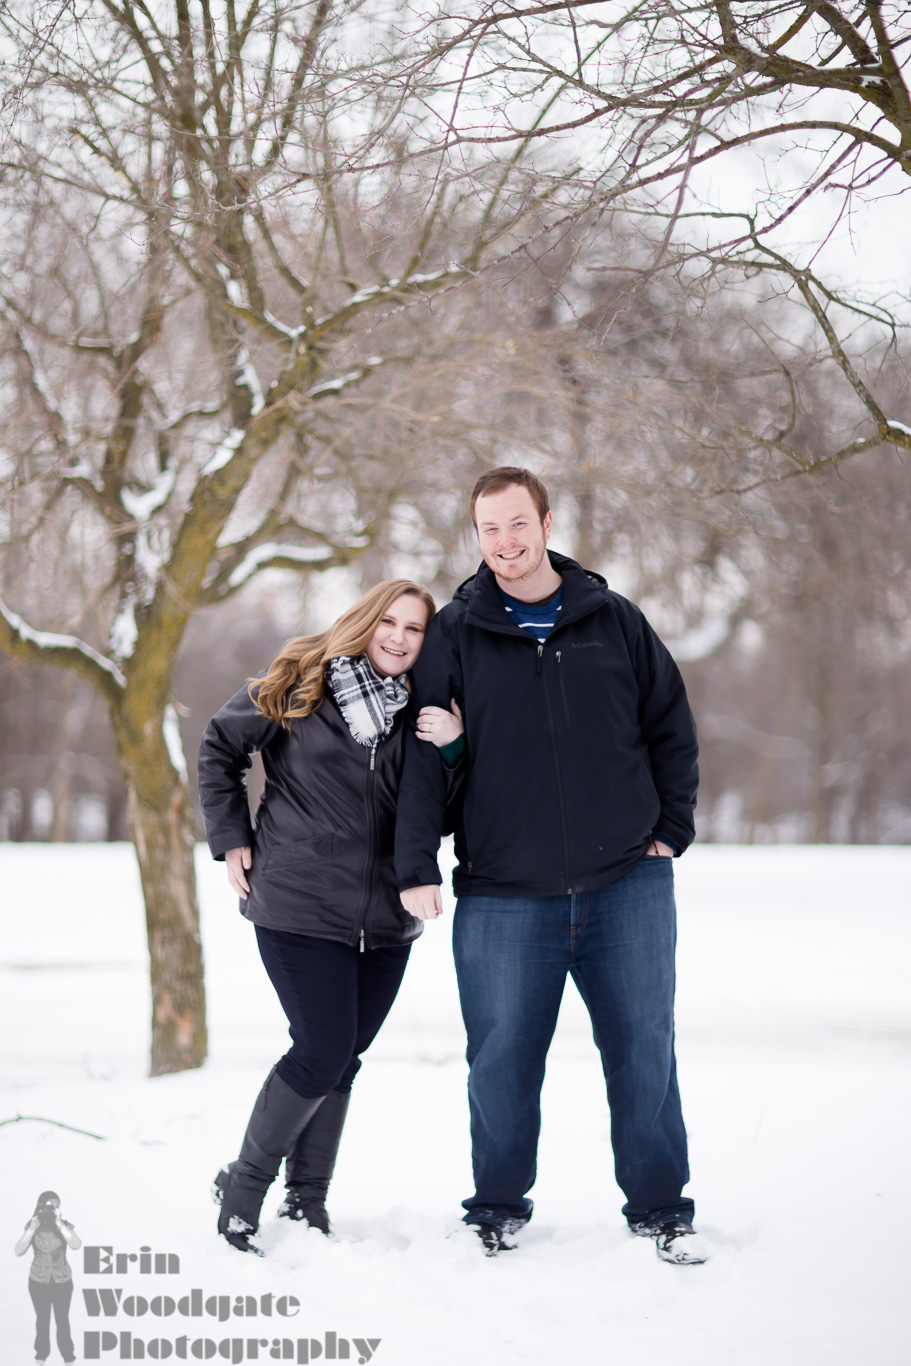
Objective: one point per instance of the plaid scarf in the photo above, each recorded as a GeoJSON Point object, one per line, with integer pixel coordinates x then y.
{"type": "Point", "coordinates": [367, 702]}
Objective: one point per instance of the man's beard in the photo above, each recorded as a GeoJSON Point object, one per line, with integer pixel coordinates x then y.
{"type": "Point", "coordinates": [526, 573]}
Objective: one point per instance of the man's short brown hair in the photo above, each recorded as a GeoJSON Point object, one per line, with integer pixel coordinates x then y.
{"type": "Point", "coordinates": [495, 481]}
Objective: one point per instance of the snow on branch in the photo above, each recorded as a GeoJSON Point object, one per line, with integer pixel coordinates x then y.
{"type": "Point", "coordinates": [225, 452]}
{"type": "Point", "coordinates": [292, 334]}
{"type": "Point", "coordinates": [81, 473]}
{"type": "Point", "coordinates": [279, 556]}
{"type": "Point", "coordinates": [171, 730]}
{"type": "Point", "coordinates": [45, 647]}
{"type": "Point", "coordinates": [194, 410]}
{"type": "Point", "coordinates": [266, 325]}
{"type": "Point", "coordinates": [411, 284]}
{"type": "Point", "coordinates": [124, 632]}
{"type": "Point", "coordinates": [40, 384]}
{"type": "Point", "coordinates": [247, 378]}
{"type": "Point", "coordinates": [232, 286]}
{"type": "Point", "coordinates": [335, 386]}
{"type": "Point", "coordinates": [140, 506]}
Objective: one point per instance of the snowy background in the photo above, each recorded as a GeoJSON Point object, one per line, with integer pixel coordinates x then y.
{"type": "Point", "coordinates": [794, 1045]}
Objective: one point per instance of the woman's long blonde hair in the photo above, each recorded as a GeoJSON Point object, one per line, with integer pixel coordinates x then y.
{"type": "Point", "coordinates": [295, 682]}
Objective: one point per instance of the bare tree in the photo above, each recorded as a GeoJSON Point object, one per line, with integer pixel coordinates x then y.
{"type": "Point", "coordinates": [196, 305]}
{"type": "Point", "coordinates": [635, 108]}
{"type": "Point", "coordinates": [249, 310]}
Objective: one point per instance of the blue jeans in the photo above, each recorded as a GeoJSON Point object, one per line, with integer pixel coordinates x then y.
{"type": "Point", "coordinates": [512, 955]}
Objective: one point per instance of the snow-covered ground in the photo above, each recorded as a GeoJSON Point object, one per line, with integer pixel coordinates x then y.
{"type": "Point", "coordinates": [794, 1044]}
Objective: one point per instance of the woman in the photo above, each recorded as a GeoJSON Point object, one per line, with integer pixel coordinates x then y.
{"type": "Point", "coordinates": [317, 878]}
{"type": "Point", "coordinates": [50, 1279]}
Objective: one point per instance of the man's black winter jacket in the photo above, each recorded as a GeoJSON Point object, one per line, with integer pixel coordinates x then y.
{"type": "Point", "coordinates": [323, 843]}
{"type": "Point", "coordinates": [578, 749]}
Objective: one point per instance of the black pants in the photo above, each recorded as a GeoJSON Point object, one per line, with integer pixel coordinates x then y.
{"type": "Point", "coordinates": [54, 1295]}
{"type": "Point", "coordinates": [335, 997]}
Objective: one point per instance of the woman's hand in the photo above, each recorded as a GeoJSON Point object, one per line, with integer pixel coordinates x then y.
{"type": "Point", "coordinates": [439, 726]}
{"type": "Point", "coordinates": [425, 903]}
{"type": "Point", "coordinates": [237, 862]}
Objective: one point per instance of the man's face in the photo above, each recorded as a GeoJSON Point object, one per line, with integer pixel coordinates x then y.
{"type": "Point", "coordinates": [512, 537]}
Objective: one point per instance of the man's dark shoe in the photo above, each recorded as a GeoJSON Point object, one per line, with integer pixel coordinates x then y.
{"type": "Point", "coordinates": [675, 1241]}
{"type": "Point", "coordinates": [493, 1239]}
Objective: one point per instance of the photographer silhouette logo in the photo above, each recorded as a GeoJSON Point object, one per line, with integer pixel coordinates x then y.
{"type": "Point", "coordinates": [251, 1320]}
{"type": "Point", "coordinates": [48, 1235]}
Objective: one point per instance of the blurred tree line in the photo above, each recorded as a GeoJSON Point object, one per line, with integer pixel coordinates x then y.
{"type": "Point", "coordinates": [789, 612]}
{"type": "Point", "coordinates": [279, 282]}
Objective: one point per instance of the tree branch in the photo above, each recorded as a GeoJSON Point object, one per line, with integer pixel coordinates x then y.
{"type": "Point", "coordinates": [44, 647]}
{"type": "Point", "coordinates": [384, 293]}
{"type": "Point", "coordinates": [892, 73]}
{"type": "Point", "coordinates": [828, 462]}
{"type": "Point", "coordinates": [862, 53]}
{"type": "Point", "coordinates": [308, 53]}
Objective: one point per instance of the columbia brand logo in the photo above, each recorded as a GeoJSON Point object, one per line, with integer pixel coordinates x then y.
{"type": "Point", "coordinates": [588, 644]}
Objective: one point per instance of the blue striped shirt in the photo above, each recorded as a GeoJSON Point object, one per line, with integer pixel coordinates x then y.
{"type": "Point", "coordinates": [538, 618]}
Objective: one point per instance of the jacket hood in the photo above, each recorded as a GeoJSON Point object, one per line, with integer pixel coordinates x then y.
{"type": "Point", "coordinates": [560, 562]}
{"type": "Point", "coordinates": [584, 590]}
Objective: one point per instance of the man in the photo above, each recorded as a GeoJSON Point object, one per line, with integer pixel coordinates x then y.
{"type": "Point", "coordinates": [579, 787]}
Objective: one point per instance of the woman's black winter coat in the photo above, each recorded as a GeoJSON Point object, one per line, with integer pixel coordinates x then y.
{"type": "Point", "coordinates": [324, 830]}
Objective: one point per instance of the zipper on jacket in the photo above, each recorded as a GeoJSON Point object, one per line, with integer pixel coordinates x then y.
{"type": "Point", "coordinates": [567, 882]}
{"type": "Point", "coordinates": [563, 687]}
{"type": "Point", "coordinates": [372, 824]}
{"type": "Point", "coordinates": [540, 656]}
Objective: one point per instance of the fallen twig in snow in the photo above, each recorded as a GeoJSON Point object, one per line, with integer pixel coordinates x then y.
{"type": "Point", "coordinates": [40, 1119]}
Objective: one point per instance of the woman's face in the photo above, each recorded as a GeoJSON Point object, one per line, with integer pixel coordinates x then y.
{"type": "Point", "coordinates": [399, 635]}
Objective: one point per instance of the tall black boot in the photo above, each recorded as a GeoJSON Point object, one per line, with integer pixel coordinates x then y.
{"type": "Point", "coordinates": [309, 1167]}
{"type": "Point", "coordinates": [278, 1117]}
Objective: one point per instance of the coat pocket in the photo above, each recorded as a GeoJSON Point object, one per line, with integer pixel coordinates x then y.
{"type": "Point", "coordinates": [300, 864]}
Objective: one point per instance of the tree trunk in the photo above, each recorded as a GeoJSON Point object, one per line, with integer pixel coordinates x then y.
{"type": "Point", "coordinates": [118, 826]}
{"type": "Point", "coordinates": [761, 806]}
{"type": "Point", "coordinates": [161, 823]}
